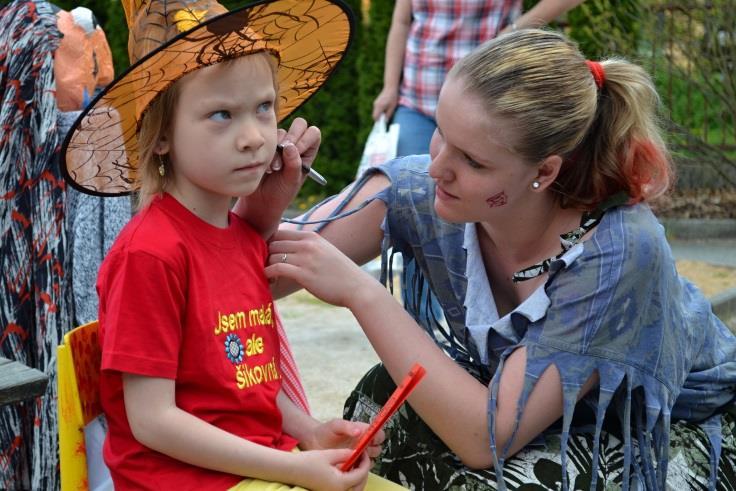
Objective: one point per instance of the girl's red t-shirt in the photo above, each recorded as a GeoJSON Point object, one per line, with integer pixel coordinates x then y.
{"type": "Point", "coordinates": [184, 300]}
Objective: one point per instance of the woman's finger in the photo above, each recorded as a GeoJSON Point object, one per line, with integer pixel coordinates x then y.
{"type": "Point", "coordinates": [296, 130]}
{"type": "Point", "coordinates": [373, 452]}
{"type": "Point", "coordinates": [276, 162]}
{"type": "Point", "coordinates": [286, 270]}
{"type": "Point", "coordinates": [281, 258]}
{"type": "Point", "coordinates": [292, 235]}
{"type": "Point", "coordinates": [294, 245]}
{"type": "Point", "coordinates": [308, 143]}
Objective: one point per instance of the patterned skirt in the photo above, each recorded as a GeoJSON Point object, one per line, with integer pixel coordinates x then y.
{"type": "Point", "coordinates": [416, 458]}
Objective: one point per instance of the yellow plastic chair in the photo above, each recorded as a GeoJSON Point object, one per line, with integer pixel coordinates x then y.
{"type": "Point", "coordinates": [78, 364]}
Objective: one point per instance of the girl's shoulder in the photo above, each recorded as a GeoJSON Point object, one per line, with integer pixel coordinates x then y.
{"type": "Point", "coordinates": [151, 231]}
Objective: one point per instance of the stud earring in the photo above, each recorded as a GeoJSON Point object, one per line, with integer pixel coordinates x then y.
{"type": "Point", "coordinates": [535, 184]}
{"type": "Point", "coordinates": [161, 167]}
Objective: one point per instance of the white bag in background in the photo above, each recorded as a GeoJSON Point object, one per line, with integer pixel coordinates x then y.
{"type": "Point", "coordinates": [380, 146]}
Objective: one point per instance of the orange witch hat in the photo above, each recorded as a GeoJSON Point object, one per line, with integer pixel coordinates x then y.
{"type": "Point", "coordinates": [170, 38]}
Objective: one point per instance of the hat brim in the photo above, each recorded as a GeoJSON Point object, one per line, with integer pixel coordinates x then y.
{"type": "Point", "coordinates": [99, 155]}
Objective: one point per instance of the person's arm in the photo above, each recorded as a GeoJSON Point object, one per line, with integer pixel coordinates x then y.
{"type": "Point", "coordinates": [398, 33]}
{"type": "Point", "coordinates": [263, 208]}
{"type": "Point", "coordinates": [157, 423]}
{"type": "Point", "coordinates": [358, 236]}
{"type": "Point", "coordinates": [451, 401]}
{"type": "Point", "coordinates": [544, 12]}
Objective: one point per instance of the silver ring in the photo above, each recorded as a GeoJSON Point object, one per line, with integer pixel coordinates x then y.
{"type": "Point", "coordinates": [283, 258]}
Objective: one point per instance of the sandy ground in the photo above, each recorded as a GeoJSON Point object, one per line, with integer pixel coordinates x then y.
{"type": "Point", "coordinates": [709, 278]}
{"type": "Point", "coordinates": [330, 349]}
{"type": "Point", "coordinates": [332, 352]}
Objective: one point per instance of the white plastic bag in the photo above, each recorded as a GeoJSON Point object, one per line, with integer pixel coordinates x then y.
{"type": "Point", "coordinates": [380, 146]}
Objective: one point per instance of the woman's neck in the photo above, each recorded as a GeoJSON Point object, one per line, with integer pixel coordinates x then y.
{"type": "Point", "coordinates": [531, 234]}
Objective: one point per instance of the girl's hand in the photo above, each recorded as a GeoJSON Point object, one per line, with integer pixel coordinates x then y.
{"type": "Point", "coordinates": [318, 266]}
{"type": "Point", "coordinates": [282, 181]}
{"type": "Point", "coordinates": [320, 469]}
{"type": "Point", "coordinates": [340, 433]}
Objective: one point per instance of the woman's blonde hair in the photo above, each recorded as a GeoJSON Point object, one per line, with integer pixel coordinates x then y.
{"type": "Point", "coordinates": [608, 137]}
{"type": "Point", "coordinates": [156, 121]}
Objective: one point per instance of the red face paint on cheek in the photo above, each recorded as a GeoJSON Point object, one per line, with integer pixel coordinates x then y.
{"type": "Point", "coordinates": [498, 199]}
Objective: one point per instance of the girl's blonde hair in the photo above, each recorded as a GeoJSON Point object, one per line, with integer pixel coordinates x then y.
{"type": "Point", "coordinates": [154, 124]}
{"type": "Point", "coordinates": [609, 137]}
{"type": "Point", "coordinates": [156, 121]}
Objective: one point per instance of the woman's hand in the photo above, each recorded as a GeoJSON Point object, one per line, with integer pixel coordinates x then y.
{"type": "Point", "coordinates": [318, 266]}
{"type": "Point", "coordinates": [282, 181]}
{"type": "Point", "coordinates": [320, 469]}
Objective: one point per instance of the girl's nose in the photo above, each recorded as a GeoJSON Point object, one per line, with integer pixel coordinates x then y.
{"type": "Point", "coordinates": [249, 137]}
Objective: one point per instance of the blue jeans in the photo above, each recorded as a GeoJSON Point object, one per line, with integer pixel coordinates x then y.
{"type": "Point", "coordinates": [415, 131]}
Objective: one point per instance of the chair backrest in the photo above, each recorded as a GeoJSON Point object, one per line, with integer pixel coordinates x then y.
{"type": "Point", "coordinates": [78, 360]}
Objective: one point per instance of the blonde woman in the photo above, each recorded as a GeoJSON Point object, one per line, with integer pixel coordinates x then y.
{"type": "Point", "coordinates": [571, 351]}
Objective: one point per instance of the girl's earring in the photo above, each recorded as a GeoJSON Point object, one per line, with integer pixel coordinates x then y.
{"type": "Point", "coordinates": [535, 184]}
{"type": "Point", "coordinates": [161, 167]}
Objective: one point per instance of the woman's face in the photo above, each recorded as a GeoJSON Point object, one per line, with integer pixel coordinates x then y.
{"type": "Point", "coordinates": [477, 174]}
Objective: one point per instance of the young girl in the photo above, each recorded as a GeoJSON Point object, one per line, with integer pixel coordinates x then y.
{"type": "Point", "coordinates": [570, 351]}
{"type": "Point", "coordinates": [191, 376]}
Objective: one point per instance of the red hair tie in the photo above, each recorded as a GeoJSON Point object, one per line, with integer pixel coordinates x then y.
{"type": "Point", "coordinates": [599, 75]}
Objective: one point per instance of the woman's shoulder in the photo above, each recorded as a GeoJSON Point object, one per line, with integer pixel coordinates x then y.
{"type": "Point", "coordinates": [403, 169]}
{"type": "Point", "coordinates": [411, 185]}
{"type": "Point", "coordinates": [632, 235]}
{"type": "Point", "coordinates": [622, 296]}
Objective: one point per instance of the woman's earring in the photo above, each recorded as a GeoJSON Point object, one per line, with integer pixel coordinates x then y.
{"type": "Point", "coordinates": [535, 184]}
{"type": "Point", "coordinates": [161, 168]}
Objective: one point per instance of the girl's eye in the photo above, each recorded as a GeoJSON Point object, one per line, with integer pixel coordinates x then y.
{"type": "Point", "coordinates": [221, 115]}
{"type": "Point", "coordinates": [265, 107]}
{"type": "Point", "coordinates": [472, 163]}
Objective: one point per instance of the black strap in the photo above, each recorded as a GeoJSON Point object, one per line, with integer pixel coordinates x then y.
{"type": "Point", "coordinates": [569, 239]}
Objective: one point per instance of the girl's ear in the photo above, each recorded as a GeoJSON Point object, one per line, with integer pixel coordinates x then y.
{"type": "Point", "coordinates": [548, 170]}
{"type": "Point", "coordinates": [162, 145]}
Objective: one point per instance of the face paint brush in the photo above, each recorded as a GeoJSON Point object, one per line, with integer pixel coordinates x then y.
{"type": "Point", "coordinates": [309, 171]}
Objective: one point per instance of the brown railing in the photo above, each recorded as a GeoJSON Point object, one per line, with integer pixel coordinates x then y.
{"type": "Point", "coordinates": [689, 46]}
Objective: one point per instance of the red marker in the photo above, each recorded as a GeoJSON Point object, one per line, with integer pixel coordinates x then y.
{"type": "Point", "coordinates": [392, 405]}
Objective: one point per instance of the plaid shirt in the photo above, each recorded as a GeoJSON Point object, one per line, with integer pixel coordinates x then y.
{"type": "Point", "coordinates": [441, 33]}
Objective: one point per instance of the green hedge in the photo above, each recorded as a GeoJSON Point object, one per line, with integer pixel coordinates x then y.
{"type": "Point", "coordinates": [371, 58]}
{"type": "Point", "coordinates": [619, 18]}
{"type": "Point", "coordinates": [333, 110]}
